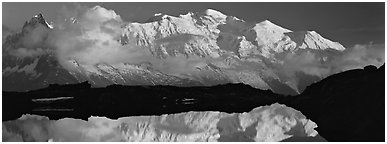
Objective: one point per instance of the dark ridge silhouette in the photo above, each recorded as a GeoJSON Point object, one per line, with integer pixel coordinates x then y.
{"type": "Point", "coordinates": [317, 138]}
{"type": "Point", "coordinates": [116, 101]}
{"type": "Point", "coordinates": [347, 106]}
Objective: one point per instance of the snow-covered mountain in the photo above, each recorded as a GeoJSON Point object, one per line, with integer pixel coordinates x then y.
{"type": "Point", "coordinates": [213, 47]}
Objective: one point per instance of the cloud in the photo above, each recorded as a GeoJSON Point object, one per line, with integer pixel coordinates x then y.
{"type": "Point", "coordinates": [32, 43]}
{"type": "Point", "coordinates": [35, 37]}
{"type": "Point", "coordinates": [306, 62]}
{"type": "Point", "coordinates": [6, 32]}
{"type": "Point", "coordinates": [356, 57]}
{"type": "Point", "coordinates": [325, 63]}
{"type": "Point", "coordinates": [26, 52]}
{"type": "Point", "coordinates": [93, 38]}
{"type": "Point", "coordinates": [359, 56]}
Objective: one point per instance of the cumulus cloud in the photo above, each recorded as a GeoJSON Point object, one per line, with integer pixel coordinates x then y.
{"type": "Point", "coordinates": [94, 38]}
{"type": "Point", "coordinates": [315, 64]}
{"type": "Point", "coordinates": [90, 36]}
{"type": "Point", "coordinates": [31, 44]}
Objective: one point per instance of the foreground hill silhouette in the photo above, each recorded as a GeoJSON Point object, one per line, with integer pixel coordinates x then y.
{"type": "Point", "coordinates": [348, 106]}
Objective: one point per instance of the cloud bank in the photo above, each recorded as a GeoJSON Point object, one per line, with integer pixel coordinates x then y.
{"type": "Point", "coordinates": [91, 36]}
{"type": "Point", "coordinates": [322, 64]}
{"type": "Point", "coordinates": [361, 55]}
{"type": "Point", "coordinates": [356, 57]}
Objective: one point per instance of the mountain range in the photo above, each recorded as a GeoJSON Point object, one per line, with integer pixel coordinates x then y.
{"type": "Point", "coordinates": [196, 49]}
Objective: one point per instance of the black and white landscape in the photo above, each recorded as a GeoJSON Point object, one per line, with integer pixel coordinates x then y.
{"type": "Point", "coordinates": [90, 75]}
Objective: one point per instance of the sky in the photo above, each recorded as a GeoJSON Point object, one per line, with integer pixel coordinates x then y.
{"type": "Point", "coordinates": [347, 23]}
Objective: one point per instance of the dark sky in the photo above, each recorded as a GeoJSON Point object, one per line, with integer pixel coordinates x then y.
{"type": "Point", "coordinates": [347, 23]}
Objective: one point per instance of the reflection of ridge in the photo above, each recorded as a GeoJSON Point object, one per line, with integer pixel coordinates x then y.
{"type": "Point", "coordinates": [186, 101]}
{"type": "Point", "coordinates": [50, 100]}
{"type": "Point", "coordinates": [48, 109]}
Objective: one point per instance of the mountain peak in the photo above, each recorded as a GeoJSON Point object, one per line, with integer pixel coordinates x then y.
{"type": "Point", "coordinates": [315, 40]}
{"type": "Point", "coordinates": [40, 16]}
{"type": "Point", "coordinates": [158, 14]}
{"type": "Point", "coordinates": [37, 19]}
{"type": "Point", "coordinates": [267, 22]}
{"type": "Point", "coordinates": [269, 25]}
{"type": "Point", "coordinates": [157, 17]}
{"type": "Point", "coordinates": [215, 14]}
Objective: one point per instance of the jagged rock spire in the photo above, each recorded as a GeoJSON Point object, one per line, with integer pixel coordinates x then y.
{"type": "Point", "coordinates": [37, 19]}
